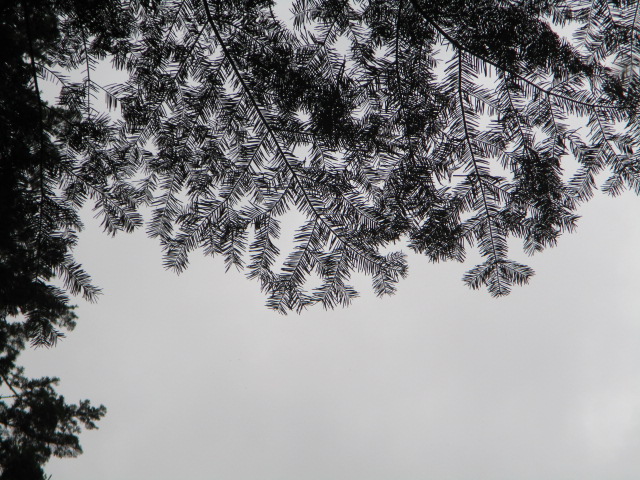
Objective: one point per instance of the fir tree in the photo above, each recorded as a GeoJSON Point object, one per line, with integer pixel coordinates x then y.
{"type": "Point", "coordinates": [41, 189]}
{"type": "Point", "coordinates": [444, 125]}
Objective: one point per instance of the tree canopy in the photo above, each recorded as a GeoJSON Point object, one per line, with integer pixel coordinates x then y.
{"type": "Point", "coordinates": [444, 125]}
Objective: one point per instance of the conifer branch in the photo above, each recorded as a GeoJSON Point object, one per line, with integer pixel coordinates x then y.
{"type": "Point", "coordinates": [34, 73]}
{"type": "Point", "coordinates": [157, 227]}
{"type": "Point", "coordinates": [62, 80]}
{"type": "Point", "coordinates": [298, 259]}
{"type": "Point", "coordinates": [516, 114]}
{"type": "Point", "coordinates": [605, 137]}
{"type": "Point", "coordinates": [633, 38]}
{"type": "Point", "coordinates": [245, 173]}
{"type": "Point", "coordinates": [326, 289]}
{"type": "Point", "coordinates": [478, 173]}
{"type": "Point", "coordinates": [128, 224]}
{"type": "Point", "coordinates": [160, 103]}
{"type": "Point", "coordinates": [173, 23]}
{"type": "Point", "coordinates": [459, 46]}
{"type": "Point", "coordinates": [270, 131]}
{"type": "Point", "coordinates": [88, 69]}
{"type": "Point", "coordinates": [555, 126]}
{"type": "Point", "coordinates": [218, 96]}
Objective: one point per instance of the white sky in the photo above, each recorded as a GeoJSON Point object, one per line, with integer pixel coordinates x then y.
{"type": "Point", "coordinates": [201, 381]}
{"type": "Point", "coordinates": [437, 382]}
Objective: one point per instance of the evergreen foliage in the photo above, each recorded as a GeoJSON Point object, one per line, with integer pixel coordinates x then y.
{"type": "Point", "coordinates": [443, 124]}
{"type": "Point", "coordinates": [42, 186]}
{"type": "Point", "coordinates": [449, 124]}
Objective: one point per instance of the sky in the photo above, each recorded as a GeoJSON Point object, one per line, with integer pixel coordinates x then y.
{"type": "Point", "coordinates": [201, 381]}
{"type": "Point", "coordinates": [437, 382]}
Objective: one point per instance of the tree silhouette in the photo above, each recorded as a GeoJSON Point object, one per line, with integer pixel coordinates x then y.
{"type": "Point", "coordinates": [449, 124]}
{"type": "Point", "coordinates": [442, 124]}
{"type": "Point", "coordinates": [39, 222]}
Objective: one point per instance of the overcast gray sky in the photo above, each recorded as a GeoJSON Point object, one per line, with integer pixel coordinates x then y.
{"type": "Point", "coordinates": [437, 382]}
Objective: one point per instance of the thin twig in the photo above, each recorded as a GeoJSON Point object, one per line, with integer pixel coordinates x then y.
{"type": "Point", "coordinates": [4, 379]}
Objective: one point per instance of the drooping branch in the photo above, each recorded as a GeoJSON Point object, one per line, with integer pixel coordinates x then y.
{"type": "Point", "coordinates": [263, 120]}
{"type": "Point", "coordinates": [460, 46]}
{"type": "Point", "coordinates": [477, 170]}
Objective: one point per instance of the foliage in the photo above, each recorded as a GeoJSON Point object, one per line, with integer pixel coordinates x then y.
{"type": "Point", "coordinates": [443, 124]}
{"type": "Point", "coordinates": [35, 422]}
{"type": "Point", "coordinates": [41, 189]}
{"type": "Point", "coordinates": [448, 124]}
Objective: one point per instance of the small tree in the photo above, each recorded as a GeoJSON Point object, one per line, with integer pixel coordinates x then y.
{"type": "Point", "coordinates": [443, 124]}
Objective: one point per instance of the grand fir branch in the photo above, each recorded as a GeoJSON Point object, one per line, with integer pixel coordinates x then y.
{"type": "Point", "coordinates": [259, 40]}
{"type": "Point", "coordinates": [484, 100]}
{"type": "Point", "coordinates": [403, 106]}
{"type": "Point", "coordinates": [238, 181]}
{"type": "Point", "coordinates": [321, 45]}
{"type": "Point", "coordinates": [62, 81]}
{"type": "Point", "coordinates": [403, 103]}
{"type": "Point", "coordinates": [590, 20]}
{"type": "Point", "coordinates": [359, 209]}
{"type": "Point", "coordinates": [88, 69]}
{"type": "Point", "coordinates": [174, 20]}
{"type": "Point", "coordinates": [158, 107]}
{"type": "Point", "coordinates": [101, 193]}
{"type": "Point", "coordinates": [270, 131]}
{"type": "Point", "coordinates": [461, 47]}
{"type": "Point", "coordinates": [396, 60]}
{"type": "Point", "coordinates": [334, 277]}
{"type": "Point", "coordinates": [556, 132]}
{"type": "Point", "coordinates": [633, 35]}
{"type": "Point", "coordinates": [34, 73]}
{"type": "Point", "coordinates": [483, 177]}
{"type": "Point", "coordinates": [323, 42]}
{"type": "Point", "coordinates": [260, 261]}
{"type": "Point", "coordinates": [475, 167]}
{"type": "Point", "coordinates": [604, 134]}
{"type": "Point", "coordinates": [356, 208]}
{"type": "Point", "coordinates": [446, 139]}
{"type": "Point", "coordinates": [201, 108]}
{"type": "Point", "coordinates": [165, 205]}
{"type": "Point", "coordinates": [289, 277]}
{"type": "Point", "coordinates": [610, 13]}
{"type": "Point", "coordinates": [206, 225]}
{"type": "Point", "coordinates": [516, 112]}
